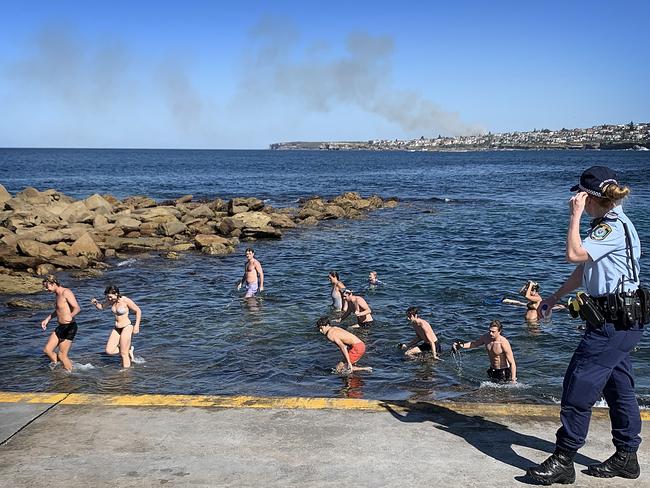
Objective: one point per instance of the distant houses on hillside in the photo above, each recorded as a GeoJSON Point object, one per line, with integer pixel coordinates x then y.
{"type": "Point", "coordinates": [622, 136]}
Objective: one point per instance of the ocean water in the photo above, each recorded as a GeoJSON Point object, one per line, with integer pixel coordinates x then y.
{"type": "Point", "coordinates": [470, 229]}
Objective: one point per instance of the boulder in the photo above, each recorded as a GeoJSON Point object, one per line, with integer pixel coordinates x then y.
{"type": "Point", "coordinates": [45, 269]}
{"type": "Point", "coordinates": [35, 249]}
{"type": "Point", "coordinates": [282, 220]}
{"type": "Point", "coordinates": [254, 219]}
{"type": "Point", "coordinates": [95, 202]}
{"type": "Point", "coordinates": [139, 202]}
{"type": "Point", "coordinates": [8, 238]}
{"type": "Point", "coordinates": [52, 236]}
{"type": "Point", "coordinates": [62, 247]}
{"type": "Point", "coordinates": [146, 214]}
{"type": "Point", "coordinates": [171, 255]}
{"type": "Point", "coordinates": [111, 199]}
{"type": "Point", "coordinates": [203, 240]}
{"type": "Point", "coordinates": [391, 203]}
{"type": "Point", "coordinates": [182, 246]}
{"type": "Point", "coordinates": [229, 224]}
{"type": "Point", "coordinates": [136, 244]}
{"type": "Point", "coordinates": [28, 304]}
{"type": "Point", "coordinates": [77, 212]}
{"type": "Point", "coordinates": [240, 205]}
{"type": "Point", "coordinates": [309, 221]}
{"type": "Point", "coordinates": [219, 205]}
{"type": "Point", "coordinates": [128, 224]}
{"type": "Point", "coordinates": [70, 262]}
{"type": "Point", "coordinates": [33, 197]}
{"type": "Point", "coordinates": [202, 211]}
{"type": "Point", "coordinates": [85, 246]}
{"type": "Point", "coordinates": [183, 199]}
{"type": "Point", "coordinates": [14, 261]}
{"type": "Point", "coordinates": [15, 284]}
{"type": "Point", "coordinates": [333, 212]}
{"type": "Point", "coordinates": [202, 228]}
{"type": "Point", "coordinates": [265, 232]}
{"type": "Point", "coordinates": [218, 250]}
{"type": "Point", "coordinates": [4, 195]}
{"type": "Point", "coordinates": [311, 212]}
{"type": "Point", "coordinates": [171, 228]}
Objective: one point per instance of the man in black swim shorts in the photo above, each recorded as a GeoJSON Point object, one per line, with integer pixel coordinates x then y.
{"type": "Point", "coordinates": [66, 307]}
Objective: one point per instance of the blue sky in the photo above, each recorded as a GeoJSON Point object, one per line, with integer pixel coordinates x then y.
{"type": "Point", "coordinates": [199, 74]}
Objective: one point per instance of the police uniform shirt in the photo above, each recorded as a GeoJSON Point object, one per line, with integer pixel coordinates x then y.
{"type": "Point", "coordinates": [610, 261]}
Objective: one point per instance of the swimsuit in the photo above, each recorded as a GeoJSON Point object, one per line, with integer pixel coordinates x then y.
{"type": "Point", "coordinates": [251, 289]}
{"type": "Point", "coordinates": [424, 346]}
{"type": "Point", "coordinates": [501, 375]}
{"type": "Point", "coordinates": [356, 351]}
{"type": "Point", "coordinates": [120, 329]}
{"type": "Point", "coordinates": [66, 332]}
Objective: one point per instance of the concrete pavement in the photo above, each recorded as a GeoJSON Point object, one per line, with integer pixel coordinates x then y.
{"type": "Point", "coordinates": [74, 440]}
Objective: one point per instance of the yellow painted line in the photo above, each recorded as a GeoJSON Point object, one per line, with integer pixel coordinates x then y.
{"type": "Point", "coordinates": [9, 397]}
{"type": "Point", "coordinates": [218, 401]}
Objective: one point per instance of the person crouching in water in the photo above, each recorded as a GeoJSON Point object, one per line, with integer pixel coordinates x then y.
{"type": "Point", "coordinates": [503, 368]}
{"type": "Point", "coordinates": [425, 339]}
{"type": "Point", "coordinates": [120, 339]}
{"type": "Point", "coordinates": [352, 348]}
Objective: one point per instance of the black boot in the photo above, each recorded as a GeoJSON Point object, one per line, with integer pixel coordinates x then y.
{"type": "Point", "coordinates": [621, 463]}
{"type": "Point", "coordinates": [556, 469]}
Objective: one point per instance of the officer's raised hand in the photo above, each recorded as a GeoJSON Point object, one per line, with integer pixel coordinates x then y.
{"type": "Point", "coordinates": [577, 203]}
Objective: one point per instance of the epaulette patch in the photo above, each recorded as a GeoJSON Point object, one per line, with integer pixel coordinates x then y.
{"type": "Point", "coordinates": [600, 232]}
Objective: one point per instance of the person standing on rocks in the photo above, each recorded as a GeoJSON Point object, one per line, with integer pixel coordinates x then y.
{"type": "Point", "coordinates": [252, 273]}
{"type": "Point", "coordinates": [120, 339]}
{"type": "Point", "coordinates": [66, 308]}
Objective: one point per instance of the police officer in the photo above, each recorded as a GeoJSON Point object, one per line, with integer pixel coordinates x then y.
{"type": "Point", "coordinates": [607, 268]}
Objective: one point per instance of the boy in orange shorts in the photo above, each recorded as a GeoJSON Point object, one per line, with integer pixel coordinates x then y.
{"type": "Point", "coordinates": [350, 345]}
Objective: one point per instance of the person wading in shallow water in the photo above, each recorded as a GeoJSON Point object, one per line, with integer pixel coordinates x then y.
{"type": "Point", "coordinates": [352, 348]}
{"type": "Point", "coordinates": [503, 368]}
{"type": "Point", "coordinates": [120, 339]}
{"type": "Point", "coordinates": [65, 309]}
{"type": "Point", "coordinates": [252, 272]}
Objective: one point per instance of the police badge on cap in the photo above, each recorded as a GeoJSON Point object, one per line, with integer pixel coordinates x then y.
{"type": "Point", "coordinates": [594, 179]}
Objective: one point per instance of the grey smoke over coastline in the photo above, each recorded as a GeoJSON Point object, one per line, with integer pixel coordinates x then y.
{"type": "Point", "coordinates": [361, 77]}
{"type": "Point", "coordinates": [103, 82]}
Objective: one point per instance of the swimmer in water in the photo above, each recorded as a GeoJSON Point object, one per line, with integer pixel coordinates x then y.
{"type": "Point", "coordinates": [503, 368]}
{"type": "Point", "coordinates": [65, 310]}
{"type": "Point", "coordinates": [253, 275]}
{"type": "Point", "coordinates": [360, 307]}
{"type": "Point", "coordinates": [425, 339]}
{"type": "Point", "coordinates": [337, 292]}
{"type": "Point", "coordinates": [373, 281]}
{"type": "Point", "coordinates": [352, 348]}
{"type": "Point", "coordinates": [531, 292]}
{"type": "Point", "coordinates": [120, 339]}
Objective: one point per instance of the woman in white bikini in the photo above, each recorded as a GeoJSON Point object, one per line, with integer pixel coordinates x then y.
{"type": "Point", "coordinates": [120, 339]}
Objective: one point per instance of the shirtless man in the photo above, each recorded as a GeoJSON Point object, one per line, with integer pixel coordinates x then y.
{"type": "Point", "coordinates": [252, 271]}
{"type": "Point", "coordinates": [66, 307]}
{"type": "Point", "coordinates": [359, 306]}
{"type": "Point", "coordinates": [425, 339]}
{"type": "Point", "coordinates": [352, 348]}
{"type": "Point", "coordinates": [502, 362]}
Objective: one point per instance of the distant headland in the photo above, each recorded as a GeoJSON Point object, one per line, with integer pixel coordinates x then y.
{"type": "Point", "coordinates": [607, 137]}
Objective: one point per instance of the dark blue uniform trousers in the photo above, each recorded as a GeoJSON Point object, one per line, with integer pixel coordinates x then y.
{"type": "Point", "coordinates": [601, 363]}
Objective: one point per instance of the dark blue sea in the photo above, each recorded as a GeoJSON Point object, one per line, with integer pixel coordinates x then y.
{"type": "Point", "coordinates": [470, 229]}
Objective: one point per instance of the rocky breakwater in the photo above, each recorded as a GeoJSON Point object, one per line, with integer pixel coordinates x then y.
{"type": "Point", "coordinates": [42, 232]}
